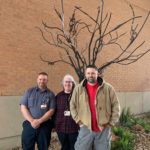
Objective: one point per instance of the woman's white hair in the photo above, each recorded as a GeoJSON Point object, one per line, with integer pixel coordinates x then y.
{"type": "Point", "coordinates": [70, 77]}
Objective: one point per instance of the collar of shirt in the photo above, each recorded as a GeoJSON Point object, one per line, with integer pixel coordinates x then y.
{"type": "Point", "coordinates": [38, 89]}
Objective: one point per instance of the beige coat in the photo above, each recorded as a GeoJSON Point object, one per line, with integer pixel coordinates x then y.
{"type": "Point", "coordinates": [107, 104]}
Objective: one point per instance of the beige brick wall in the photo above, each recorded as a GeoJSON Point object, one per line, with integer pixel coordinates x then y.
{"type": "Point", "coordinates": [21, 45]}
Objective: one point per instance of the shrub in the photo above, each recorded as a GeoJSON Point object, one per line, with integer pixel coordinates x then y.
{"type": "Point", "coordinates": [126, 118]}
{"type": "Point", "coordinates": [125, 141]}
{"type": "Point", "coordinates": [129, 120]}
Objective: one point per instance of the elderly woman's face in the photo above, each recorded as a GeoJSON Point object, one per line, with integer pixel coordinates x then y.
{"type": "Point", "coordinates": [67, 84]}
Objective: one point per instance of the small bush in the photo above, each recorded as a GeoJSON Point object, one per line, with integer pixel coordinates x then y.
{"type": "Point", "coordinates": [125, 141]}
{"type": "Point", "coordinates": [129, 120]}
{"type": "Point", "coordinates": [126, 118]}
{"type": "Point", "coordinates": [143, 123]}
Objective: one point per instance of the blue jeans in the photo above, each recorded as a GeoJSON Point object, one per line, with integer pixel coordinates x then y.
{"type": "Point", "coordinates": [41, 136]}
{"type": "Point", "coordinates": [89, 140]}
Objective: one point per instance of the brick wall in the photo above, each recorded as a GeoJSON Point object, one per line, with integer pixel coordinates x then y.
{"type": "Point", "coordinates": [21, 45]}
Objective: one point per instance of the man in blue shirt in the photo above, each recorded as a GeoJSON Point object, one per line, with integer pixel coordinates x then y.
{"type": "Point", "coordinates": [37, 107]}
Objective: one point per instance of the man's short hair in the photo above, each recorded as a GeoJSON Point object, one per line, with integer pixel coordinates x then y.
{"type": "Point", "coordinates": [43, 73]}
{"type": "Point", "coordinates": [92, 66]}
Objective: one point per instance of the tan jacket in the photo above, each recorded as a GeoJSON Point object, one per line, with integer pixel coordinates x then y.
{"type": "Point", "coordinates": [107, 104]}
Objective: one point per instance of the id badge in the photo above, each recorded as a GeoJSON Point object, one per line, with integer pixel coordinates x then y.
{"type": "Point", "coordinates": [66, 113]}
{"type": "Point", "coordinates": [43, 106]}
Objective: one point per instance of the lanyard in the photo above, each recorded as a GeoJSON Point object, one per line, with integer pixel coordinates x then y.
{"type": "Point", "coordinates": [68, 101]}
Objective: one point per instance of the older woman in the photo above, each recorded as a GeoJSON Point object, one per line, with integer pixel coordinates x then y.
{"type": "Point", "coordinates": [66, 128]}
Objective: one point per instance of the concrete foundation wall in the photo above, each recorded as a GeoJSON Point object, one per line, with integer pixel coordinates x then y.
{"type": "Point", "coordinates": [138, 102]}
{"type": "Point", "coordinates": [11, 118]}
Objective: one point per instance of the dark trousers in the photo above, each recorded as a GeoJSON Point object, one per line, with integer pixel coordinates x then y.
{"type": "Point", "coordinates": [67, 140]}
{"type": "Point", "coordinates": [41, 136]}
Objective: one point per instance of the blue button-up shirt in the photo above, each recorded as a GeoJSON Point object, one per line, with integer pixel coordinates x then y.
{"type": "Point", "coordinates": [38, 101]}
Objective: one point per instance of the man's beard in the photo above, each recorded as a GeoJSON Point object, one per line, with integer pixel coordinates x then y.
{"type": "Point", "coordinates": [42, 86]}
{"type": "Point", "coordinates": [91, 80]}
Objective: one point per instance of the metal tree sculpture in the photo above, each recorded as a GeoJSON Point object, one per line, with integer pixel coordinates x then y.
{"type": "Point", "coordinates": [67, 37]}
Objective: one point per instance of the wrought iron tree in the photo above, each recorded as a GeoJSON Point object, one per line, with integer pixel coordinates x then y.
{"type": "Point", "coordinates": [65, 37]}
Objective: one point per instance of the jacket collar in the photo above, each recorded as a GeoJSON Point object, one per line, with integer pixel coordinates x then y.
{"type": "Point", "coordinates": [99, 80]}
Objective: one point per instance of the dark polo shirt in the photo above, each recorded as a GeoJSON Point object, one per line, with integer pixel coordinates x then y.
{"type": "Point", "coordinates": [38, 101]}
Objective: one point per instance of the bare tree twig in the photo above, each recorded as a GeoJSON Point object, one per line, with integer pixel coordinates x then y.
{"type": "Point", "coordinates": [99, 35]}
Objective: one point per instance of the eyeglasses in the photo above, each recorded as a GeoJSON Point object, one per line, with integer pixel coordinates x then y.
{"type": "Point", "coordinates": [68, 81]}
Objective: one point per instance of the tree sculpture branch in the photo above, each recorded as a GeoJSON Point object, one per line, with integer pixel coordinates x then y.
{"type": "Point", "coordinates": [66, 38]}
